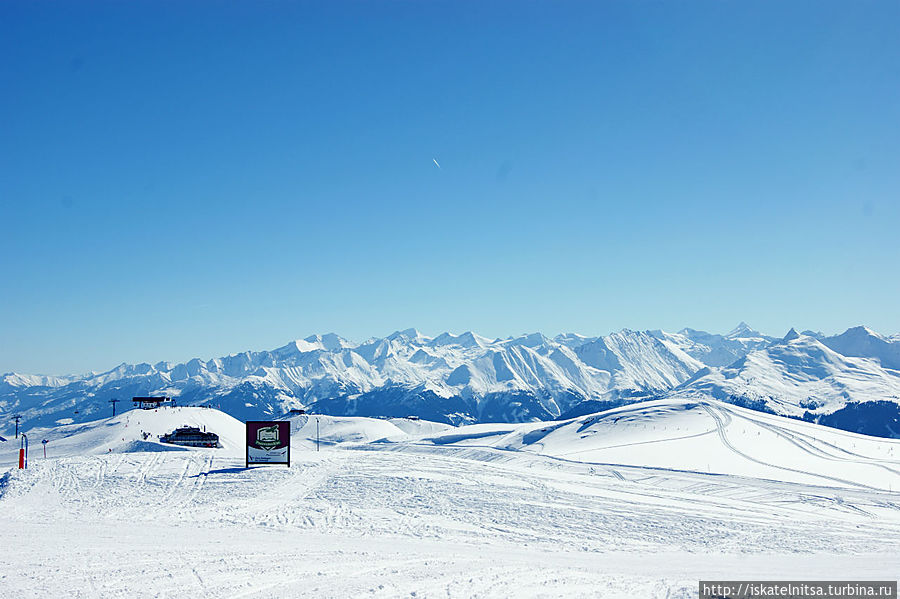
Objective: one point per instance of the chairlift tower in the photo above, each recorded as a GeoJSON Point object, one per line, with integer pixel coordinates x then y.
{"type": "Point", "coordinates": [17, 417]}
{"type": "Point", "coordinates": [114, 401]}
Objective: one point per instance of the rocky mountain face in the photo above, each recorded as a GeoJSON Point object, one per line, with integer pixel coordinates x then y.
{"type": "Point", "coordinates": [469, 378]}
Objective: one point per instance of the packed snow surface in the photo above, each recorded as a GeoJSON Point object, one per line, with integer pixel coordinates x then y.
{"type": "Point", "coordinates": [641, 501]}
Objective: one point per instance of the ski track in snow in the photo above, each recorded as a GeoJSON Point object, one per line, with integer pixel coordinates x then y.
{"type": "Point", "coordinates": [422, 517]}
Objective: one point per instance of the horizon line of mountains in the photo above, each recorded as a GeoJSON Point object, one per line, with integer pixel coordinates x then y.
{"type": "Point", "coordinates": [849, 381]}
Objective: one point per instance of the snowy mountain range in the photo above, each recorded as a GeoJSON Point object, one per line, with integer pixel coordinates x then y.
{"type": "Point", "coordinates": [851, 380]}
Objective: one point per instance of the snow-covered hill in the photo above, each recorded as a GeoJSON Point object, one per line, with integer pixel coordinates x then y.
{"type": "Point", "coordinates": [700, 436]}
{"type": "Point", "coordinates": [678, 433]}
{"type": "Point", "coordinates": [848, 380]}
{"type": "Point", "coordinates": [125, 432]}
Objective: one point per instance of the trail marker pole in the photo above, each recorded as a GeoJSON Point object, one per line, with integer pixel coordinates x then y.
{"type": "Point", "coordinates": [45, 447]}
{"type": "Point", "coordinates": [317, 434]}
{"type": "Point", "coordinates": [23, 453]}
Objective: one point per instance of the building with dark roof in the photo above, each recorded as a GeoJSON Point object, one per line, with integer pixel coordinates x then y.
{"type": "Point", "coordinates": [191, 436]}
{"type": "Point", "coordinates": [150, 403]}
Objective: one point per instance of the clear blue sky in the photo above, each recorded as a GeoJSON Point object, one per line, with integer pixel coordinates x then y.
{"type": "Point", "coordinates": [186, 179]}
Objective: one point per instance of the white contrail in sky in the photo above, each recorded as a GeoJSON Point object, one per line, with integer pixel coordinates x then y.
{"type": "Point", "coordinates": [436, 162]}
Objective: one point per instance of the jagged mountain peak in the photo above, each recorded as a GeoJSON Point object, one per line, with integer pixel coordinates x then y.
{"type": "Point", "coordinates": [14, 379]}
{"type": "Point", "coordinates": [791, 335]}
{"type": "Point", "coordinates": [299, 346]}
{"type": "Point", "coordinates": [329, 341]}
{"type": "Point", "coordinates": [861, 331]}
{"type": "Point", "coordinates": [411, 334]}
{"type": "Point", "coordinates": [572, 340]}
{"type": "Point", "coordinates": [742, 330]}
{"type": "Point", "coordinates": [861, 341]}
{"type": "Point", "coordinates": [527, 340]}
{"type": "Point", "coordinates": [467, 339]}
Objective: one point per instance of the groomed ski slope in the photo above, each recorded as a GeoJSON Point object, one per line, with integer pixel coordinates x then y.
{"type": "Point", "coordinates": [701, 436]}
{"type": "Point", "coordinates": [639, 501]}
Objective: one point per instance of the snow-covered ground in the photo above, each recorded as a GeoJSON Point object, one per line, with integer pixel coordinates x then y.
{"type": "Point", "coordinates": [641, 501]}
